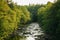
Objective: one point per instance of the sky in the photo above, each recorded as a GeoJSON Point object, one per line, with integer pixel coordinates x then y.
{"type": "Point", "coordinates": [27, 2]}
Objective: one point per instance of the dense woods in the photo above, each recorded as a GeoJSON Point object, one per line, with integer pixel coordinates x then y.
{"type": "Point", "coordinates": [49, 20]}
{"type": "Point", "coordinates": [13, 16]}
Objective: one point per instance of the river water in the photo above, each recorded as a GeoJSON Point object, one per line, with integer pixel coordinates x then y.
{"type": "Point", "coordinates": [32, 32]}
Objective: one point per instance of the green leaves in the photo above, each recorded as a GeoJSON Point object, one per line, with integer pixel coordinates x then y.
{"type": "Point", "coordinates": [11, 16]}
{"type": "Point", "coordinates": [7, 20]}
{"type": "Point", "coordinates": [49, 19]}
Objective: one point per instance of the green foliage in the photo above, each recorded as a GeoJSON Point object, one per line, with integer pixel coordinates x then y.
{"type": "Point", "coordinates": [33, 9]}
{"type": "Point", "coordinates": [15, 37]}
{"type": "Point", "coordinates": [49, 19]}
{"type": "Point", "coordinates": [25, 15]}
{"type": "Point", "coordinates": [43, 14]}
{"type": "Point", "coordinates": [11, 16]}
{"type": "Point", "coordinates": [7, 20]}
{"type": "Point", "coordinates": [56, 18]}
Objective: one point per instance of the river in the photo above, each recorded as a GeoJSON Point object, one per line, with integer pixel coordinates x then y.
{"type": "Point", "coordinates": [32, 32]}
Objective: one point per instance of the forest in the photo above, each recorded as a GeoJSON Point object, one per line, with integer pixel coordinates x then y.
{"type": "Point", "coordinates": [13, 16]}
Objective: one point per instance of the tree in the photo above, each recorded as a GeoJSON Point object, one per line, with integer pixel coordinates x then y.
{"type": "Point", "coordinates": [7, 20]}
{"type": "Point", "coordinates": [33, 9]}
